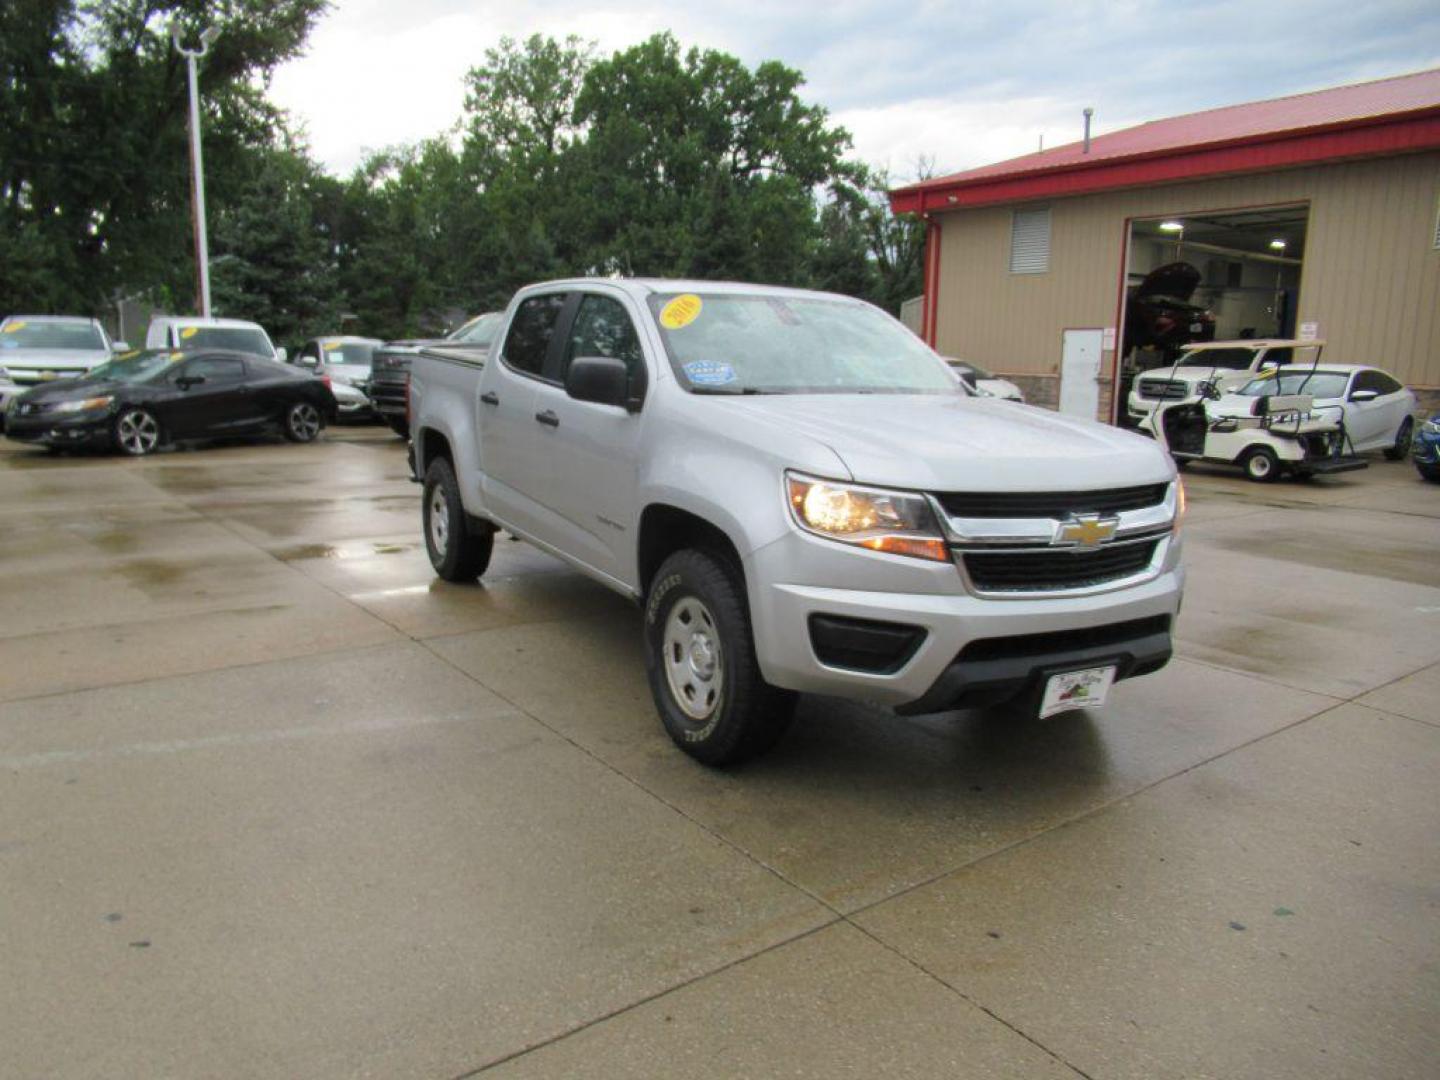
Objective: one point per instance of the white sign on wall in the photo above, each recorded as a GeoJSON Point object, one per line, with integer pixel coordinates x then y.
{"type": "Point", "coordinates": [1309, 331]}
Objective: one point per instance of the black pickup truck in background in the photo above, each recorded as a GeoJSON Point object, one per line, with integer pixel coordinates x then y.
{"type": "Point", "coordinates": [390, 369]}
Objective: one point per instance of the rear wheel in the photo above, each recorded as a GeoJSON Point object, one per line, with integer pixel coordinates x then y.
{"type": "Point", "coordinates": [1401, 449]}
{"type": "Point", "coordinates": [458, 551]}
{"type": "Point", "coordinates": [1261, 465]}
{"type": "Point", "coordinates": [137, 432]}
{"type": "Point", "coordinates": [701, 663]}
{"type": "Point", "coordinates": [302, 422]}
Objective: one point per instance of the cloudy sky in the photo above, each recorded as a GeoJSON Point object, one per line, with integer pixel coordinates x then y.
{"type": "Point", "coordinates": [962, 84]}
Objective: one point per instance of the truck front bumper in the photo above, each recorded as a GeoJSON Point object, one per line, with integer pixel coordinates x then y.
{"type": "Point", "coordinates": [925, 645]}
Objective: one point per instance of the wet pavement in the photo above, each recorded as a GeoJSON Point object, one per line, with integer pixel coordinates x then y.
{"type": "Point", "coordinates": [276, 802]}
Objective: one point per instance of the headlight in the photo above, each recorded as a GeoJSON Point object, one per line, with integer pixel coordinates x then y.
{"type": "Point", "coordinates": [88, 405]}
{"type": "Point", "coordinates": [897, 522]}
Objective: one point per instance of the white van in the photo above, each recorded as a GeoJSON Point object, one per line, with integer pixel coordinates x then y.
{"type": "Point", "coordinates": [191, 332]}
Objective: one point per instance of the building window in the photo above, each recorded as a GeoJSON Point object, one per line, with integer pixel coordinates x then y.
{"type": "Point", "coordinates": [1030, 242]}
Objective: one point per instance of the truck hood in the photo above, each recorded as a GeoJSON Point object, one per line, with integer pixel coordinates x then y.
{"type": "Point", "coordinates": [1198, 374]}
{"type": "Point", "coordinates": [47, 359]}
{"type": "Point", "coordinates": [956, 443]}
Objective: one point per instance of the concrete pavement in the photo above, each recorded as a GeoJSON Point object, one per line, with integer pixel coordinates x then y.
{"type": "Point", "coordinates": [276, 802]}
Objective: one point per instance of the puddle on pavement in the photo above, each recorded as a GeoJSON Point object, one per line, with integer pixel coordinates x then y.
{"type": "Point", "coordinates": [1410, 563]}
{"type": "Point", "coordinates": [340, 551]}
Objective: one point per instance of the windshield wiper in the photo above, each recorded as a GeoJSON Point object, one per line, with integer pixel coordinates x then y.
{"type": "Point", "coordinates": [721, 391]}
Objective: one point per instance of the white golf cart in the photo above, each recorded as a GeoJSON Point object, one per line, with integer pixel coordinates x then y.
{"type": "Point", "coordinates": [1266, 435]}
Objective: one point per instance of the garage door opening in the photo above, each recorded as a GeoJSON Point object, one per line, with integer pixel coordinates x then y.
{"type": "Point", "coordinates": [1216, 276]}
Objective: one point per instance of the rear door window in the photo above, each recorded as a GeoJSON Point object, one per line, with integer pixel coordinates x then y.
{"type": "Point", "coordinates": [528, 342]}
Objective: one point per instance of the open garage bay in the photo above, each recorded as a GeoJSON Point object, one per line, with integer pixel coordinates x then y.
{"type": "Point", "coordinates": [274, 801]}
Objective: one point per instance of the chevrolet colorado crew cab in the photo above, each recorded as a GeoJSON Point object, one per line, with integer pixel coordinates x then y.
{"type": "Point", "coordinates": [802, 497]}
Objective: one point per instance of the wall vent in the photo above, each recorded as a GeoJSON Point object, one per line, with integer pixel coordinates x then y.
{"type": "Point", "coordinates": [1030, 242]}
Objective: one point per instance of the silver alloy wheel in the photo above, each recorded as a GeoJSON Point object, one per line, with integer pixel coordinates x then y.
{"type": "Point", "coordinates": [1259, 466]}
{"type": "Point", "coordinates": [304, 421]}
{"type": "Point", "coordinates": [439, 520]}
{"type": "Point", "coordinates": [137, 432]}
{"type": "Point", "coordinates": [694, 658]}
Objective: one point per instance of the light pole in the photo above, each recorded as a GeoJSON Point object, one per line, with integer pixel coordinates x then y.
{"type": "Point", "coordinates": [197, 172]}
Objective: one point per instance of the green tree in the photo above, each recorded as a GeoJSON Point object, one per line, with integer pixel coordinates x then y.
{"type": "Point", "coordinates": [94, 172]}
{"type": "Point", "coordinates": [695, 165]}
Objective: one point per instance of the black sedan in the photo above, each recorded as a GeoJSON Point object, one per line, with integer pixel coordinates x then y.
{"type": "Point", "coordinates": [141, 400]}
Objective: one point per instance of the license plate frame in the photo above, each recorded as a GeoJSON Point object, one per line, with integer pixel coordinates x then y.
{"type": "Point", "coordinates": [1083, 688]}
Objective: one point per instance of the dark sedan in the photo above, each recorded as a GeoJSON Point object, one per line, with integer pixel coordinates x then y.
{"type": "Point", "coordinates": [142, 400]}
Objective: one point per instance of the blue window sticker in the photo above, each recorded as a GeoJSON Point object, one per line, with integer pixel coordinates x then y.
{"type": "Point", "coordinates": [709, 373]}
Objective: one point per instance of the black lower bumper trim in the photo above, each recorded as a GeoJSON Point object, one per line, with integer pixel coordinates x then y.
{"type": "Point", "coordinates": [992, 671]}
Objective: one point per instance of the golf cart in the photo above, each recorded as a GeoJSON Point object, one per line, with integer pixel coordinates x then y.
{"type": "Point", "coordinates": [1264, 434]}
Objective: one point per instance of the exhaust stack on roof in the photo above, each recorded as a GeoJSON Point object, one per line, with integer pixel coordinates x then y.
{"type": "Point", "coordinates": [1089, 112]}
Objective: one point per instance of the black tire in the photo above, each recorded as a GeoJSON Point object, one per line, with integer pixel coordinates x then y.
{"type": "Point", "coordinates": [399, 425]}
{"type": "Point", "coordinates": [136, 432]}
{"type": "Point", "coordinates": [1428, 472]}
{"type": "Point", "coordinates": [458, 551]}
{"type": "Point", "coordinates": [303, 421]}
{"type": "Point", "coordinates": [1401, 449]}
{"type": "Point", "coordinates": [1261, 465]}
{"type": "Point", "coordinates": [732, 713]}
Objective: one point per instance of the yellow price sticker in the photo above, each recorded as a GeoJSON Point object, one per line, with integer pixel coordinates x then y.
{"type": "Point", "coordinates": [333, 344]}
{"type": "Point", "coordinates": [189, 331]}
{"type": "Point", "coordinates": [129, 355]}
{"type": "Point", "coordinates": [10, 328]}
{"type": "Point", "coordinates": [681, 311]}
{"type": "Point", "coordinates": [174, 356]}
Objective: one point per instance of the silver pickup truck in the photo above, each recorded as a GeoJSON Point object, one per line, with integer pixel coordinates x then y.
{"type": "Point", "coordinates": [803, 498]}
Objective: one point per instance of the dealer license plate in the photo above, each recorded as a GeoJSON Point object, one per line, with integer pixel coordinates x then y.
{"type": "Point", "coordinates": [1085, 689]}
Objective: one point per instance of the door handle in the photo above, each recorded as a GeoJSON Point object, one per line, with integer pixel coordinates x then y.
{"type": "Point", "coordinates": [548, 418]}
{"type": "Point", "coordinates": [490, 397]}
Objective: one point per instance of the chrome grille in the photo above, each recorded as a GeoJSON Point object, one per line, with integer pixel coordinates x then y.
{"type": "Point", "coordinates": [1164, 389]}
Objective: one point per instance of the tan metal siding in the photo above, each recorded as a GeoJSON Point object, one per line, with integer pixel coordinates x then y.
{"type": "Point", "coordinates": [1371, 276]}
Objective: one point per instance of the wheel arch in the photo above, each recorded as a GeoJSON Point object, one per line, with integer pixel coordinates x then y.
{"type": "Point", "coordinates": [666, 529]}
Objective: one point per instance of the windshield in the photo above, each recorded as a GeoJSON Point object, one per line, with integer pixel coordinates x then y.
{"type": "Point", "coordinates": [20, 334]}
{"type": "Point", "coordinates": [730, 343]}
{"type": "Point", "coordinates": [233, 338]}
{"type": "Point", "coordinates": [134, 367]}
{"type": "Point", "coordinates": [1229, 359]}
{"type": "Point", "coordinates": [479, 330]}
{"type": "Point", "coordinates": [355, 354]}
{"type": "Point", "coordinates": [1320, 384]}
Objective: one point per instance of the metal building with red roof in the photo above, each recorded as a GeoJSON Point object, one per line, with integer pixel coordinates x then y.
{"type": "Point", "coordinates": [1317, 213]}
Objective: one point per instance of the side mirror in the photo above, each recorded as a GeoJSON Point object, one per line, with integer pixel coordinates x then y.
{"type": "Point", "coordinates": [600, 379]}
{"type": "Point", "coordinates": [119, 346]}
{"type": "Point", "coordinates": [282, 354]}
{"type": "Point", "coordinates": [1364, 395]}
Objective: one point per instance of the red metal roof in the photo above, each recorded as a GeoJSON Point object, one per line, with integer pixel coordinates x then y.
{"type": "Point", "coordinates": [1386, 116]}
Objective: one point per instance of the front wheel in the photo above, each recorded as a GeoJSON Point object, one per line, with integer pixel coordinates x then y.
{"type": "Point", "coordinates": [1261, 465]}
{"type": "Point", "coordinates": [457, 551]}
{"type": "Point", "coordinates": [302, 422]}
{"type": "Point", "coordinates": [701, 664]}
{"type": "Point", "coordinates": [1401, 448]}
{"type": "Point", "coordinates": [137, 432]}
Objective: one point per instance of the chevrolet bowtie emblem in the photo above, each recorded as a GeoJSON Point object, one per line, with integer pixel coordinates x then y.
{"type": "Point", "coordinates": [1090, 530]}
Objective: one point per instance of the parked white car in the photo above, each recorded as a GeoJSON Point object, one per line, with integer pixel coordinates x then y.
{"type": "Point", "coordinates": [985, 383]}
{"type": "Point", "coordinates": [1379, 412]}
{"type": "Point", "coordinates": [37, 349]}
{"type": "Point", "coordinates": [189, 332]}
{"type": "Point", "coordinates": [1227, 365]}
